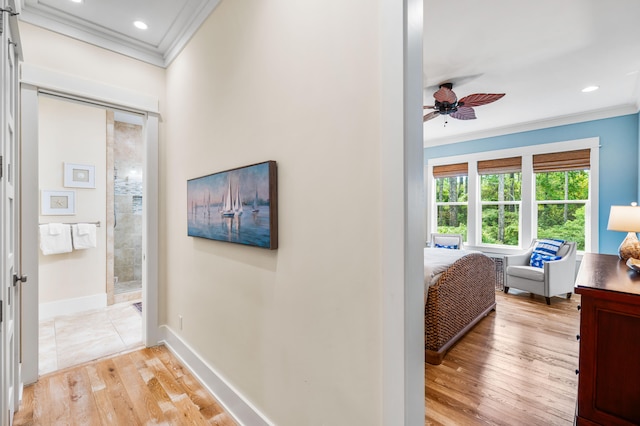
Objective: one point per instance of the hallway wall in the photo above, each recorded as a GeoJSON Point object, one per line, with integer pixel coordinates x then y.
{"type": "Point", "coordinates": [298, 329]}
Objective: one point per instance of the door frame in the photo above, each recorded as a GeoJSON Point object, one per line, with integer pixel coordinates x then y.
{"type": "Point", "coordinates": [403, 234]}
{"type": "Point", "coordinates": [10, 326]}
{"type": "Point", "coordinates": [34, 81]}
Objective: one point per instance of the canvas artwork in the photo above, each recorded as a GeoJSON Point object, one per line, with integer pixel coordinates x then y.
{"type": "Point", "coordinates": [238, 206]}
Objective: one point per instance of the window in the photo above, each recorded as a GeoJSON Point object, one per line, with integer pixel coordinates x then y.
{"type": "Point", "coordinates": [500, 198]}
{"type": "Point", "coordinates": [452, 189]}
{"type": "Point", "coordinates": [562, 194]}
{"type": "Point", "coordinates": [505, 198]}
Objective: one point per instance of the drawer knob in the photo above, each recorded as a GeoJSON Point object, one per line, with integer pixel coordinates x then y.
{"type": "Point", "coordinates": [577, 371]}
{"type": "Point", "coordinates": [579, 307]}
{"type": "Point", "coordinates": [577, 337]}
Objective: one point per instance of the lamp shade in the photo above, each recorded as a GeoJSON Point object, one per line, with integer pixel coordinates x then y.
{"type": "Point", "coordinates": [624, 218]}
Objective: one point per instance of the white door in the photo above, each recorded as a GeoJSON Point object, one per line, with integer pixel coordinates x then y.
{"type": "Point", "coordinates": [9, 214]}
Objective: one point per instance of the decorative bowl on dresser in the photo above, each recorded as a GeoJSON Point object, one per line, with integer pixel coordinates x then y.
{"type": "Point", "coordinates": [609, 370]}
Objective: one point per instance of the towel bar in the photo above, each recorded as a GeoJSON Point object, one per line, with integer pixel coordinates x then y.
{"type": "Point", "coordinates": [97, 224]}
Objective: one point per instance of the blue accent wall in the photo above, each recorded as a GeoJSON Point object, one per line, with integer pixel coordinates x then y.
{"type": "Point", "coordinates": [619, 160]}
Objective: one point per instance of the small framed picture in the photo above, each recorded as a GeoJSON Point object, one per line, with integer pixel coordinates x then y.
{"type": "Point", "coordinates": [58, 202]}
{"type": "Point", "coordinates": [79, 176]}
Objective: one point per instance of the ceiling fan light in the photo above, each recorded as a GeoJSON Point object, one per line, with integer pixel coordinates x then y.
{"type": "Point", "coordinates": [590, 89]}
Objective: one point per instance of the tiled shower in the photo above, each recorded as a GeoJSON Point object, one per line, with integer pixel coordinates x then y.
{"type": "Point", "coordinates": [127, 231]}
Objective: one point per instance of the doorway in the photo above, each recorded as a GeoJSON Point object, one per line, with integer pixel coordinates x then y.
{"type": "Point", "coordinates": [78, 320]}
{"type": "Point", "coordinates": [42, 83]}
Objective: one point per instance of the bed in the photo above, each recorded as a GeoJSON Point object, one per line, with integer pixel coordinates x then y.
{"type": "Point", "coordinates": [459, 292]}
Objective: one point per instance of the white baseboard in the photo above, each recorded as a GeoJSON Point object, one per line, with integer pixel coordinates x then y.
{"type": "Point", "coordinates": [71, 306]}
{"type": "Point", "coordinates": [241, 410]}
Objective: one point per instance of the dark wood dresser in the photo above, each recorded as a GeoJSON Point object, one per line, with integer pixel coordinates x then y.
{"type": "Point", "coordinates": [609, 372]}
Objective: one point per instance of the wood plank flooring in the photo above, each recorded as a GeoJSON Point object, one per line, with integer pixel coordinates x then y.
{"type": "Point", "coordinates": [144, 387]}
{"type": "Point", "coordinates": [516, 367]}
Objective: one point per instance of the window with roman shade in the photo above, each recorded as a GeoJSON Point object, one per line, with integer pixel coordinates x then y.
{"type": "Point", "coordinates": [452, 195]}
{"type": "Point", "coordinates": [562, 194]}
{"type": "Point", "coordinates": [500, 200]}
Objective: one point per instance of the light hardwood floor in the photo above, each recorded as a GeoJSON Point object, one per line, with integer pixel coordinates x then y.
{"type": "Point", "coordinates": [143, 387]}
{"type": "Point", "coordinates": [516, 367]}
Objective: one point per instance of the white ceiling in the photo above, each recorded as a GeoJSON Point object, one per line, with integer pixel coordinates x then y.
{"type": "Point", "coordinates": [109, 23]}
{"type": "Point", "coordinates": [540, 53]}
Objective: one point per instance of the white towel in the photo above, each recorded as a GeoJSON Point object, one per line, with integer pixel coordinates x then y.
{"type": "Point", "coordinates": [52, 243]}
{"type": "Point", "coordinates": [84, 236]}
{"type": "Point", "coordinates": [55, 228]}
{"type": "Point", "coordinates": [85, 228]}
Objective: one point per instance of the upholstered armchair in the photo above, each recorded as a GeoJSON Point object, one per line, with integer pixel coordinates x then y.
{"type": "Point", "coordinates": [447, 240]}
{"type": "Point", "coordinates": [554, 278]}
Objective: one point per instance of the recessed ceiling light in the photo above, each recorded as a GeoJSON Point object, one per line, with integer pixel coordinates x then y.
{"type": "Point", "coordinates": [77, 1]}
{"type": "Point", "coordinates": [590, 89]}
{"type": "Point", "coordinates": [141, 25]}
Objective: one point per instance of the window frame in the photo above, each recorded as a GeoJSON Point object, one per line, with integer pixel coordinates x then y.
{"type": "Point", "coordinates": [482, 204]}
{"type": "Point", "coordinates": [451, 203]}
{"type": "Point", "coordinates": [528, 206]}
{"type": "Point", "coordinates": [586, 203]}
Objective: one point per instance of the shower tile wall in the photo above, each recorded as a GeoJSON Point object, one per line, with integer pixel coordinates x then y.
{"type": "Point", "coordinates": [128, 155]}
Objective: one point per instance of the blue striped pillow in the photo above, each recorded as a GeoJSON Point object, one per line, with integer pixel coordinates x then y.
{"type": "Point", "coordinates": [545, 251]}
{"type": "Point", "coordinates": [452, 247]}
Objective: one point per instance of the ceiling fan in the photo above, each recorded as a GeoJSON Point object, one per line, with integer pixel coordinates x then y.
{"type": "Point", "coordinates": [447, 103]}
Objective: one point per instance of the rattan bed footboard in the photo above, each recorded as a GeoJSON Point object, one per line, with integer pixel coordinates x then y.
{"type": "Point", "coordinates": [462, 296]}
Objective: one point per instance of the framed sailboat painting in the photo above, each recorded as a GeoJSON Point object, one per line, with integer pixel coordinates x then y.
{"type": "Point", "coordinates": [238, 206]}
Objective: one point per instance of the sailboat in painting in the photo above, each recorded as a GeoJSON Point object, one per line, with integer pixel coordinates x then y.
{"type": "Point", "coordinates": [237, 202]}
{"type": "Point", "coordinates": [227, 205]}
{"type": "Point", "coordinates": [231, 206]}
{"type": "Point", "coordinates": [255, 208]}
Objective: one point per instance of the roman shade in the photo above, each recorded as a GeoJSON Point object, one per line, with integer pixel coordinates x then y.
{"type": "Point", "coordinates": [562, 161]}
{"type": "Point", "coordinates": [500, 165]}
{"type": "Point", "coordinates": [451, 170]}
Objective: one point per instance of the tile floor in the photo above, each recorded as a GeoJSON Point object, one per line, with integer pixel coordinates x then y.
{"type": "Point", "coordinates": [70, 340]}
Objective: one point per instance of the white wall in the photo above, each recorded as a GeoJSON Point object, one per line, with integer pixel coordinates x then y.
{"type": "Point", "coordinates": [73, 133]}
{"type": "Point", "coordinates": [53, 51]}
{"type": "Point", "coordinates": [297, 331]}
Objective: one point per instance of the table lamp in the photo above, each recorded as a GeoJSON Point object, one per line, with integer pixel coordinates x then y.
{"type": "Point", "coordinates": [626, 219]}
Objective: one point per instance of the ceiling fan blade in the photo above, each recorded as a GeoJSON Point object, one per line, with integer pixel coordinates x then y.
{"type": "Point", "coordinates": [464, 113]}
{"type": "Point", "coordinates": [478, 99]}
{"type": "Point", "coordinates": [444, 94]}
{"type": "Point", "coordinates": [428, 107]}
{"type": "Point", "coordinates": [431, 115]}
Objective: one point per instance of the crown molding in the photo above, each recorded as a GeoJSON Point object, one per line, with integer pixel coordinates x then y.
{"type": "Point", "coordinates": [182, 30]}
{"type": "Point", "coordinates": [535, 125]}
